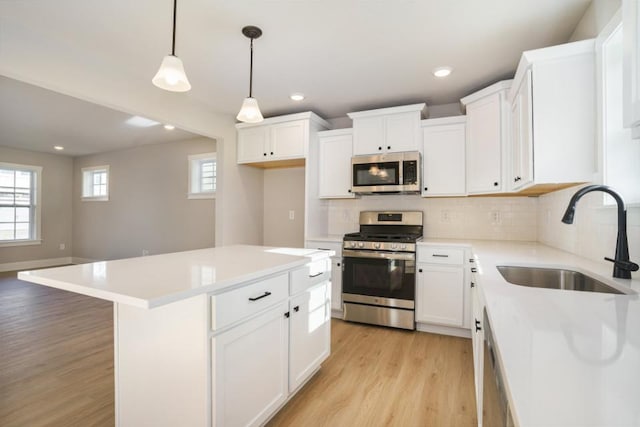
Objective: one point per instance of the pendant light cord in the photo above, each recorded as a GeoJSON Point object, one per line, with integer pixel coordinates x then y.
{"type": "Point", "coordinates": [173, 42]}
{"type": "Point", "coordinates": [251, 70]}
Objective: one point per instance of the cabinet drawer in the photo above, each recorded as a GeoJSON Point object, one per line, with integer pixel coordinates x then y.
{"type": "Point", "coordinates": [309, 275]}
{"type": "Point", "coordinates": [325, 245]}
{"type": "Point", "coordinates": [232, 306]}
{"type": "Point", "coordinates": [435, 255]}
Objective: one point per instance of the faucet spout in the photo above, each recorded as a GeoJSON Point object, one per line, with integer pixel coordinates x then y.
{"type": "Point", "coordinates": [622, 266]}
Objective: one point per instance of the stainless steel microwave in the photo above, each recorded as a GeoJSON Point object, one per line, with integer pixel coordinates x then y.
{"type": "Point", "coordinates": [386, 173]}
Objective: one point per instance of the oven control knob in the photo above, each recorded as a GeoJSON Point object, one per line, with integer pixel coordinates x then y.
{"type": "Point", "coordinates": [353, 244]}
{"type": "Point", "coordinates": [361, 244]}
{"type": "Point", "coordinates": [376, 245]}
{"type": "Point", "coordinates": [394, 246]}
{"type": "Point", "coordinates": [404, 246]}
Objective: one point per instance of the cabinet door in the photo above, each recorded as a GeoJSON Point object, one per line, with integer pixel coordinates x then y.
{"type": "Point", "coordinates": [443, 160]}
{"type": "Point", "coordinates": [522, 134]}
{"type": "Point", "coordinates": [310, 332]}
{"type": "Point", "coordinates": [477, 339]}
{"type": "Point", "coordinates": [484, 145]}
{"type": "Point", "coordinates": [368, 135]}
{"type": "Point", "coordinates": [335, 167]}
{"type": "Point", "coordinates": [336, 284]}
{"type": "Point", "coordinates": [401, 132]}
{"type": "Point", "coordinates": [287, 140]}
{"type": "Point", "coordinates": [440, 295]}
{"type": "Point", "coordinates": [253, 144]}
{"type": "Point", "coordinates": [250, 367]}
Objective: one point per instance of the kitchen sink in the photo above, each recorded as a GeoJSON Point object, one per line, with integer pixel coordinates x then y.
{"type": "Point", "coordinates": [552, 278]}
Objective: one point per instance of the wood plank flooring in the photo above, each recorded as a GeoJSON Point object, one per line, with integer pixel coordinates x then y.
{"type": "Point", "coordinates": [56, 369]}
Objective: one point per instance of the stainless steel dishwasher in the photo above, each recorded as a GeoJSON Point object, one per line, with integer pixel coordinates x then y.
{"type": "Point", "coordinates": [495, 404]}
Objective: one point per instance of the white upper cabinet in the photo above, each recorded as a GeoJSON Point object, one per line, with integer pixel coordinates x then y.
{"type": "Point", "coordinates": [335, 148]}
{"type": "Point", "coordinates": [443, 157]}
{"type": "Point", "coordinates": [631, 65]}
{"type": "Point", "coordinates": [279, 140]}
{"type": "Point", "coordinates": [487, 138]}
{"type": "Point", "coordinates": [553, 118]}
{"type": "Point", "coordinates": [387, 130]}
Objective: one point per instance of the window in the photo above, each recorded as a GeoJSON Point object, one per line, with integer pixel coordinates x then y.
{"type": "Point", "coordinates": [19, 204]}
{"type": "Point", "coordinates": [202, 176]}
{"type": "Point", "coordinates": [95, 183]}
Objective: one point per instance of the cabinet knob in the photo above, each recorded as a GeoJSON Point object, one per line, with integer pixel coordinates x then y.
{"type": "Point", "coordinates": [296, 308]}
{"type": "Point", "coordinates": [478, 327]}
{"type": "Point", "coordinates": [473, 285]}
{"type": "Point", "coordinates": [426, 188]}
{"type": "Point", "coordinates": [388, 147]}
{"type": "Point", "coordinates": [474, 270]}
{"type": "Point", "coordinates": [286, 315]}
{"type": "Point", "coordinates": [420, 270]}
{"type": "Point", "coordinates": [264, 154]}
{"type": "Point", "coordinates": [495, 184]}
{"type": "Point", "coordinates": [272, 153]}
{"type": "Point", "coordinates": [349, 190]}
{"type": "Point", "coordinates": [379, 148]}
{"type": "Point", "coordinates": [338, 264]}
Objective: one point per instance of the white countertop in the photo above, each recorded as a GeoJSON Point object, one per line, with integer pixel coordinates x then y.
{"type": "Point", "coordinates": [157, 280]}
{"type": "Point", "coordinates": [570, 358]}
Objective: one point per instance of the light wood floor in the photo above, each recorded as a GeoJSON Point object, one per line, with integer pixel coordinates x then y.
{"type": "Point", "coordinates": [56, 369]}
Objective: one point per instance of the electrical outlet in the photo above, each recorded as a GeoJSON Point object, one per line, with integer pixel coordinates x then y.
{"type": "Point", "coordinates": [496, 217]}
{"type": "Point", "coordinates": [445, 216]}
{"type": "Point", "coordinates": [145, 252]}
{"type": "Point", "coordinates": [292, 215]}
{"type": "Point", "coordinates": [62, 246]}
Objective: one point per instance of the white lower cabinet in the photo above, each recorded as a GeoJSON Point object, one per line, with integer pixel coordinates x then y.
{"type": "Point", "coordinates": [309, 332]}
{"type": "Point", "coordinates": [477, 340]}
{"type": "Point", "coordinates": [440, 295]}
{"type": "Point", "coordinates": [250, 369]}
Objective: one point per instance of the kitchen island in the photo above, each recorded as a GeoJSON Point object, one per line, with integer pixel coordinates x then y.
{"type": "Point", "coordinates": [222, 336]}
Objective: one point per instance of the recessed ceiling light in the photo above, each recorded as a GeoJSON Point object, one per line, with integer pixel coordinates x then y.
{"type": "Point", "coordinates": [58, 147]}
{"type": "Point", "coordinates": [442, 71]}
{"type": "Point", "coordinates": [297, 96]}
{"type": "Point", "coordinates": [169, 127]}
{"type": "Point", "coordinates": [141, 122]}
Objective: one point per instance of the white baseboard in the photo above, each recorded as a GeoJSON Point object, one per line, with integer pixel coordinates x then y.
{"type": "Point", "coordinates": [443, 330]}
{"type": "Point", "coordinates": [38, 263]}
{"type": "Point", "coordinates": [338, 314]}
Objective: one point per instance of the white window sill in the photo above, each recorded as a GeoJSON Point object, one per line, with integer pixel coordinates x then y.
{"type": "Point", "coordinates": [95, 199]}
{"type": "Point", "coordinates": [8, 243]}
{"type": "Point", "coordinates": [201, 196]}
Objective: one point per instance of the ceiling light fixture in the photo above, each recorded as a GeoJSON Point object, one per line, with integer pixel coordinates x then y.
{"type": "Point", "coordinates": [58, 147]}
{"type": "Point", "coordinates": [171, 75]}
{"type": "Point", "coordinates": [442, 71]}
{"type": "Point", "coordinates": [250, 112]}
{"type": "Point", "coordinates": [297, 96]}
{"type": "Point", "coordinates": [141, 122]}
{"type": "Point", "coordinates": [169, 127]}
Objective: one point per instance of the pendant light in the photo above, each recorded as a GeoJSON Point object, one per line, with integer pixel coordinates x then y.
{"type": "Point", "coordinates": [171, 74]}
{"type": "Point", "coordinates": [250, 112]}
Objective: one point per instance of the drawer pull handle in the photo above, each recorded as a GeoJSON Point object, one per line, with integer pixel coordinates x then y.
{"type": "Point", "coordinates": [286, 315]}
{"type": "Point", "coordinates": [474, 270]}
{"type": "Point", "coordinates": [473, 285]}
{"type": "Point", "coordinates": [478, 327]}
{"type": "Point", "coordinates": [296, 308]}
{"type": "Point", "coordinates": [440, 256]}
{"type": "Point", "coordinates": [316, 275]}
{"type": "Point", "coordinates": [266, 294]}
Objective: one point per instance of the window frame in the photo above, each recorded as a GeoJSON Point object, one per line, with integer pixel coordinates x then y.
{"type": "Point", "coordinates": [36, 220]}
{"type": "Point", "coordinates": [195, 193]}
{"type": "Point", "coordinates": [89, 171]}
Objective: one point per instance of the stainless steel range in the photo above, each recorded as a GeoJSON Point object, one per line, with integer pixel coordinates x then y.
{"type": "Point", "coordinates": [379, 269]}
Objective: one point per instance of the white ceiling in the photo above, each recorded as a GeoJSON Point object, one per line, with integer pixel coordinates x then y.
{"type": "Point", "coordinates": [344, 55]}
{"type": "Point", "coordinates": [36, 119]}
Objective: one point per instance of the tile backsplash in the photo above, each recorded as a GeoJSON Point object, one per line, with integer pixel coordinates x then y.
{"type": "Point", "coordinates": [492, 218]}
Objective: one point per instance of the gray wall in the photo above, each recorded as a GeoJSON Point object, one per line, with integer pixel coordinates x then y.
{"type": "Point", "coordinates": [597, 15]}
{"type": "Point", "coordinates": [283, 192]}
{"type": "Point", "coordinates": [148, 206]}
{"type": "Point", "coordinates": [57, 174]}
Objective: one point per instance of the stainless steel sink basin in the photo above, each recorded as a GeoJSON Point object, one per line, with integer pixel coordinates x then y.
{"type": "Point", "coordinates": [551, 278]}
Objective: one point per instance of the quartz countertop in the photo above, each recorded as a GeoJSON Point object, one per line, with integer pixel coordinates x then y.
{"type": "Point", "coordinates": [156, 280]}
{"type": "Point", "coordinates": [570, 358]}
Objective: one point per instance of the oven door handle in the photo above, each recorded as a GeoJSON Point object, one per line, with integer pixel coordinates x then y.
{"type": "Point", "coordinates": [406, 256]}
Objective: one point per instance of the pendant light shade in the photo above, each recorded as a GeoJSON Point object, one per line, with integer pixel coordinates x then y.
{"type": "Point", "coordinates": [171, 75]}
{"type": "Point", "coordinates": [250, 112]}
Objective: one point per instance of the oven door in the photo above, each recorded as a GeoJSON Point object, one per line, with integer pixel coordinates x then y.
{"type": "Point", "coordinates": [378, 277]}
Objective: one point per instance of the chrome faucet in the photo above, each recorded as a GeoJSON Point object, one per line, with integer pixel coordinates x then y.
{"type": "Point", "coordinates": [622, 266]}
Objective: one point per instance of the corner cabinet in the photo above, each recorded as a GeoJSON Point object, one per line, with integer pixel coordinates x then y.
{"type": "Point", "coordinates": [278, 141]}
{"type": "Point", "coordinates": [553, 121]}
{"type": "Point", "coordinates": [335, 148]}
{"type": "Point", "coordinates": [442, 293]}
{"type": "Point", "coordinates": [487, 138]}
{"type": "Point", "coordinates": [443, 157]}
{"type": "Point", "coordinates": [387, 130]}
{"type": "Point", "coordinates": [631, 65]}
